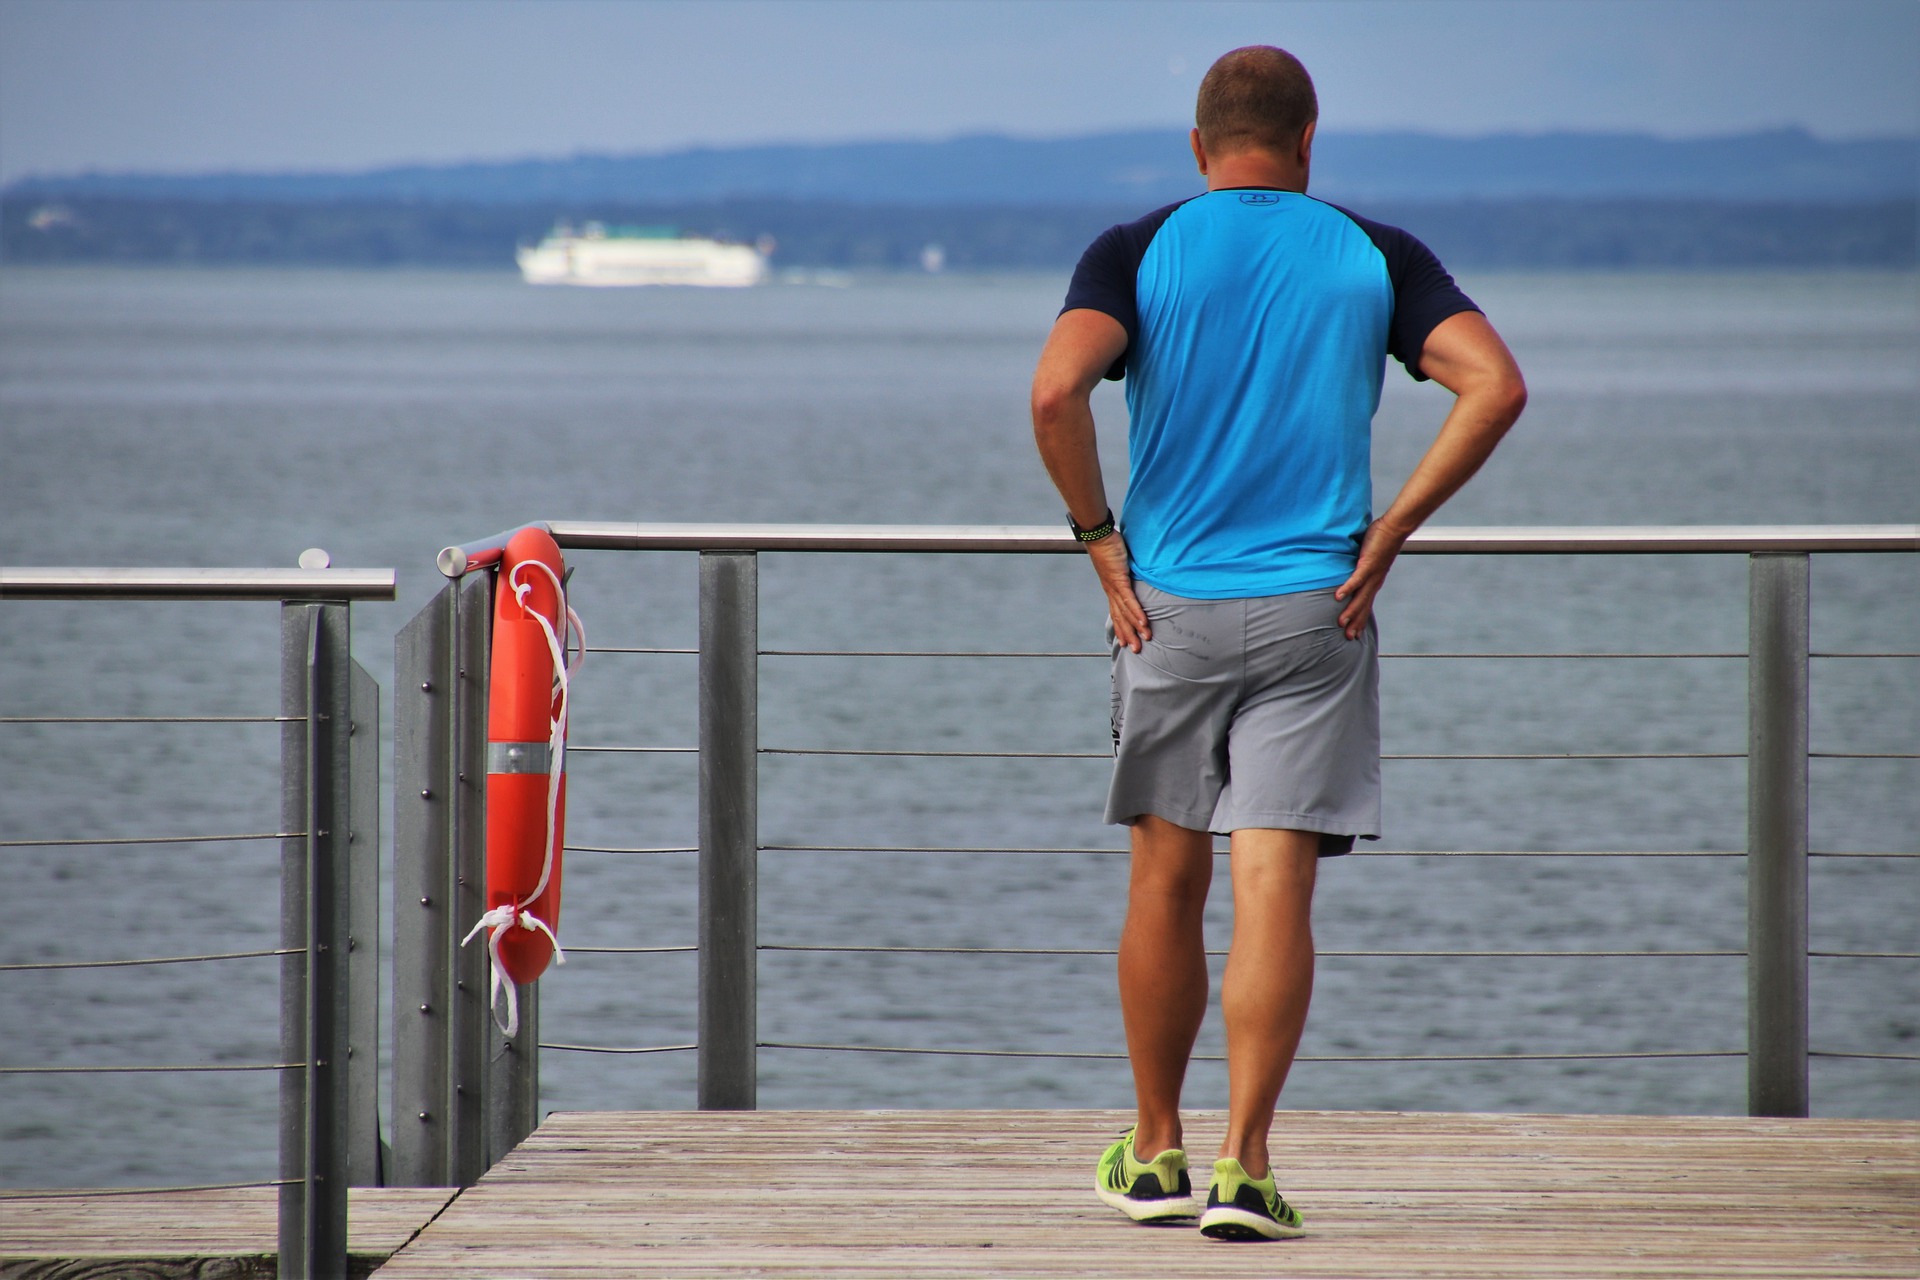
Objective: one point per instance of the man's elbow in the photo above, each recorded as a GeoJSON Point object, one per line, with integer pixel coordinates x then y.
{"type": "Point", "coordinates": [1498, 397]}
{"type": "Point", "coordinates": [1053, 404]}
{"type": "Point", "coordinates": [1511, 397]}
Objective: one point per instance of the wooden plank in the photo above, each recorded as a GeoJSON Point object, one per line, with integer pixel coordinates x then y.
{"type": "Point", "coordinates": [937, 1194]}
{"type": "Point", "coordinates": [187, 1233]}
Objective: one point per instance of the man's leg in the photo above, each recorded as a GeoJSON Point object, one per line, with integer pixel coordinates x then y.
{"type": "Point", "coordinates": [1269, 980]}
{"type": "Point", "coordinates": [1163, 971]}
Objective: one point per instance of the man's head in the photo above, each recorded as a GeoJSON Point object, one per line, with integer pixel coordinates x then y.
{"type": "Point", "coordinates": [1255, 98]}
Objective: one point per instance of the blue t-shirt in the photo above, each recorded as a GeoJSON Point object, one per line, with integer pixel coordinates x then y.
{"type": "Point", "coordinates": [1258, 325]}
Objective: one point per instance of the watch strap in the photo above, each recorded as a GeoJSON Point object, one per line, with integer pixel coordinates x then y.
{"type": "Point", "coordinates": [1094, 534]}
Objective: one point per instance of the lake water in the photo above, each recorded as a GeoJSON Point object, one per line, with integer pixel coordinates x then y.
{"type": "Point", "coordinates": [235, 418]}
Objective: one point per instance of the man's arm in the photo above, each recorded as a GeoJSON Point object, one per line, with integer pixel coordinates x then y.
{"type": "Point", "coordinates": [1464, 355]}
{"type": "Point", "coordinates": [1082, 347]}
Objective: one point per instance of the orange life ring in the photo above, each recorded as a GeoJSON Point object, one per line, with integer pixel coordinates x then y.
{"type": "Point", "coordinates": [525, 746]}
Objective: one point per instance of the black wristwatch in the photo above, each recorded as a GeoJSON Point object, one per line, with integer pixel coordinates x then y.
{"type": "Point", "coordinates": [1094, 534]}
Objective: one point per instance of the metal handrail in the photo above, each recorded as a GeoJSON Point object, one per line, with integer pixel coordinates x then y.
{"type": "Point", "coordinates": [63, 583]}
{"type": "Point", "coordinates": [1777, 654]}
{"type": "Point", "coordinates": [1433, 540]}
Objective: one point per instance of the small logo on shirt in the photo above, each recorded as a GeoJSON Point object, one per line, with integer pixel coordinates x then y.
{"type": "Point", "coordinates": [1259, 197]}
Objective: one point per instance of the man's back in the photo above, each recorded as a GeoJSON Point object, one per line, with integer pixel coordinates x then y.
{"type": "Point", "coordinates": [1258, 323]}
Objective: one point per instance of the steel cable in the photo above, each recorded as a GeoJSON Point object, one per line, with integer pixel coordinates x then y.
{"type": "Point", "coordinates": [121, 840]}
{"type": "Point", "coordinates": [124, 964]}
{"type": "Point", "coordinates": [1214, 1057]}
{"type": "Point", "coordinates": [1390, 955]}
{"type": "Point", "coordinates": [153, 719]}
{"type": "Point", "coordinates": [191, 1066]}
{"type": "Point", "coordinates": [605, 1048]}
{"type": "Point", "coordinates": [92, 1193]}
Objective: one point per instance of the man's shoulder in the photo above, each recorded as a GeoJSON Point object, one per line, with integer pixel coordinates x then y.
{"type": "Point", "coordinates": [1137, 234]}
{"type": "Point", "coordinates": [1394, 243]}
{"type": "Point", "coordinates": [1104, 277]}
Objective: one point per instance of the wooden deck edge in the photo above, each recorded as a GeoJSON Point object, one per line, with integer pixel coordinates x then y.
{"type": "Point", "coordinates": [220, 1266]}
{"type": "Point", "coordinates": [382, 1221]}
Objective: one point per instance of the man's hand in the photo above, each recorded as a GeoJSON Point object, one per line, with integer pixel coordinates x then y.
{"type": "Point", "coordinates": [1379, 547]}
{"type": "Point", "coordinates": [1116, 579]}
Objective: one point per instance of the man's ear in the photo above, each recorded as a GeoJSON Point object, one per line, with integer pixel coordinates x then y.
{"type": "Point", "coordinates": [1306, 143]}
{"type": "Point", "coordinates": [1199, 152]}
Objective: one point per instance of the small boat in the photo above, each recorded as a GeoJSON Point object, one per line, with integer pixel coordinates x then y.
{"type": "Point", "coordinates": [622, 256]}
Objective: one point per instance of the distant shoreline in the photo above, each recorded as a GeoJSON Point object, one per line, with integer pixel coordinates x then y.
{"type": "Point", "coordinates": [1514, 234]}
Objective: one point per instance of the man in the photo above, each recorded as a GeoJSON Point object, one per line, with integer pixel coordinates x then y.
{"type": "Point", "coordinates": [1251, 324]}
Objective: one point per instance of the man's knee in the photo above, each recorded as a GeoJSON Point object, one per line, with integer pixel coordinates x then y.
{"type": "Point", "coordinates": [1275, 864]}
{"type": "Point", "coordinates": [1171, 862]}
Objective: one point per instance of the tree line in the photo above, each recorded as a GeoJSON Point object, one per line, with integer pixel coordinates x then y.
{"type": "Point", "coordinates": [1615, 234]}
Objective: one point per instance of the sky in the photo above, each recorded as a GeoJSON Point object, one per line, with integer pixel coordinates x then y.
{"type": "Point", "coordinates": [186, 86]}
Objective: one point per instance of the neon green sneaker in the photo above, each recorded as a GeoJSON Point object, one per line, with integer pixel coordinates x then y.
{"type": "Point", "coordinates": [1154, 1191]}
{"type": "Point", "coordinates": [1243, 1208]}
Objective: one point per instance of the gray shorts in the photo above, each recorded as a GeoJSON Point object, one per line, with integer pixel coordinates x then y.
{"type": "Point", "coordinates": [1248, 713]}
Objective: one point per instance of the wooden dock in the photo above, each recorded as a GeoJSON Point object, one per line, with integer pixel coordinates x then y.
{"type": "Point", "coordinates": [1009, 1193]}
{"type": "Point", "coordinates": [205, 1235]}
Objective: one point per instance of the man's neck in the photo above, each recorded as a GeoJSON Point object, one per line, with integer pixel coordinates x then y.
{"type": "Point", "coordinates": [1257, 166]}
{"type": "Point", "coordinates": [1255, 169]}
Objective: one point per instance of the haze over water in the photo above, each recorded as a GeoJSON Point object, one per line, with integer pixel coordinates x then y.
{"type": "Point", "coordinates": [234, 418]}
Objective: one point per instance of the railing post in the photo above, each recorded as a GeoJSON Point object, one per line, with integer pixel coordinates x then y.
{"type": "Point", "coordinates": [440, 1019]}
{"type": "Point", "coordinates": [471, 1022]}
{"type": "Point", "coordinates": [315, 667]}
{"type": "Point", "coordinates": [423, 923]}
{"type": "Point", "coordinates": [366, 1153]}
{"type": "Point", "coordinates": [1777, 648]}
{"type": "Point", "coordinates": [729, 827]}
{"type": "Point", "coordinates": [513, 1078]}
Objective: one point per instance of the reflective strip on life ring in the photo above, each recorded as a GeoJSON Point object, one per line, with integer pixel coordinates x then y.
{"type": "Point", "coordinates": [519, 757]}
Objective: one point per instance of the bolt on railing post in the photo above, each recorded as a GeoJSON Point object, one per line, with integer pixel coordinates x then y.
{"type": "Point", "coordinates": [316, 787]}
{"type": "Point", "coordinates": [1777, 662]}
{"type": "Point", "coordinates": [729, 828]}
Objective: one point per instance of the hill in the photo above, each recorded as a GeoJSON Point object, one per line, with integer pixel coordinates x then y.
{"type": "Point", "coordinates": [1139, 168]}
{"type": "Point", "coordinates": [1581, 234]}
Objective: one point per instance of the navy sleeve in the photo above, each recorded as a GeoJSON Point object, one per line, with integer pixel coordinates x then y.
{"type": "Point", "coordinates": [1105, 279]}
{"type": "Point", "coordinates": [1423, 293]}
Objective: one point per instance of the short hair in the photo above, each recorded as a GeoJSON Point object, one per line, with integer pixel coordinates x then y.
{"type": "Point", "coordinates": [1256, 96]}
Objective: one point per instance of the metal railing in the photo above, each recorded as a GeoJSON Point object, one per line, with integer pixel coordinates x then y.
{"type": "Point", "coordinates": [329, 880]}
{"type": "Point", "coordinates": [455, 1067]}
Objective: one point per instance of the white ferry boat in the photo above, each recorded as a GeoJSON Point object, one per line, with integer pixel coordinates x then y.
{"type": "Point", "coordinates": [603, 256]}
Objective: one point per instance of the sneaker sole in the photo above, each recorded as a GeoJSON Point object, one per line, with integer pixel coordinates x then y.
{"type": "Point", "coordinates": [1149, 1210]}
{"type": "Point", "coordinates": [1225, 1222]}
